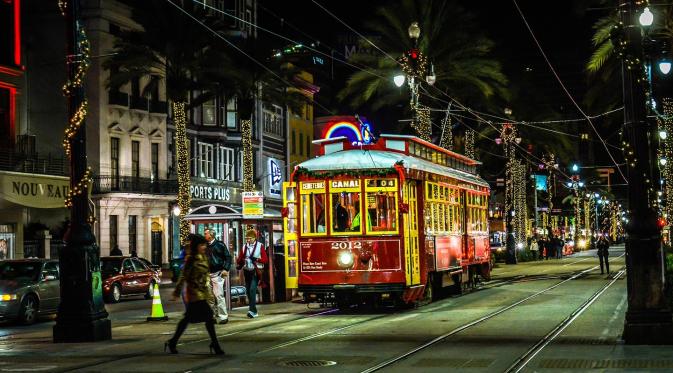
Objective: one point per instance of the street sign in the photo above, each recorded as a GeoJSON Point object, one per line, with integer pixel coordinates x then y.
{"type": "Point", "coordinates": [253, 205]}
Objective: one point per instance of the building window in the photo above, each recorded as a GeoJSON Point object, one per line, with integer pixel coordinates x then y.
{"type": "Point", "coordinates": [273, 120]}
{"type": "Point", "coordinates": [294, 143]}
{"type": "Point", "coordinates": [301, 144]}
{"type": "Point", "coordinates": [308, 146]}
{"type": "Point", "coordinates": [231, 114]}
{"type": "Point", "coordinates": [226, 163]}
{"type": "Point", "coordinates": [206, 160]}
{"type": "Point", "coordinates": [135, 159]}
{"type": "Point", "coordinates": [113, 231]}
{"type": "Point", "coordinates": [114, 162]}
{"type": "Point", "coordinates": [209, 113]}
{"type": "Point", "coordinates": [133, 233]}
{"type": "Point", "coordinates": [155, 161]}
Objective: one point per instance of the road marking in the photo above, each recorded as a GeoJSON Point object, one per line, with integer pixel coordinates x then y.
{"type": "Point", "coordinates": [578, 261]}
{"type": "Point", "coordinates": [39, 368]}
{"type": "Point", "coordinates": [405, 317]}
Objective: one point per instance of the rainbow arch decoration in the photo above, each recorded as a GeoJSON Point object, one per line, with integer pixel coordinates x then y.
{"type": "Point", "coordinates": [352, 130]}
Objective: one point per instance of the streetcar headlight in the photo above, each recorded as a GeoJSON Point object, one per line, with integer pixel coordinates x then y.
{"type": "Point", "coordinates": [7, 297]}
{"type": "Point", "coordinates": [345, 259]}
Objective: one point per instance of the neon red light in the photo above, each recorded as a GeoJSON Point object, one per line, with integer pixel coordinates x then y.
{"type": "Point", "coordinates": [17, 33]}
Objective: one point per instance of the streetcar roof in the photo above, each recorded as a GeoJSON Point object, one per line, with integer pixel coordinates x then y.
{"type": "Point", "coordinates": [357, 159]}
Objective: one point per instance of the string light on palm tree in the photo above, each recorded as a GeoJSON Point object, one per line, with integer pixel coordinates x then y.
{"type": "Point", "coordinates": [508, 137]}
{"type": "Point", "coordinates": [446, 140]}
{"type": "Point", "coordinates": [184, 197]}
{"type": "Point", "coordinates": [549, 162]}
{"type": "Point", "coordinates": [248, 169]}
{"type": "Point", "coordinates": [469, 144]}
{"type": "Point", "coordinates": [666, 152]}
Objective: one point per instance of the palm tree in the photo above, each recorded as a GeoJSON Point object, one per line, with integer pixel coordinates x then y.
{"type": "Point", "coordinates": [460, 54]}
{"type": "Point", "coordinates": [171, 46]}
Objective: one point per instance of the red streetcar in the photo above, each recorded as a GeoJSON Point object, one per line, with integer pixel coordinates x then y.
{"type": "Point", "coordinates": [396, 220]}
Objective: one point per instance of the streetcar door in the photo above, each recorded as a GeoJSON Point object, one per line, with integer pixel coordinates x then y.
{"type": "Point", "coordinates": [411, 245]}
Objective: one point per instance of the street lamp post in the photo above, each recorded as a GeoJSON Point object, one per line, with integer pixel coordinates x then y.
{"type": "Point", "coordinates": [414, 68]}
{"type": "Point", "coordinates": [648, 319]}
{"type": "Point", "coordinates": [81, 313]}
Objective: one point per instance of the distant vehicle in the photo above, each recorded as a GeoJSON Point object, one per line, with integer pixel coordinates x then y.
{"type": "Point", "coordinates": [28, 288]}
{"type": "Point", "coordinates": [124, 276]}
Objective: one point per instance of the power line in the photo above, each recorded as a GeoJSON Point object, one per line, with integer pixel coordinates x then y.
{"type": "Point", "coordinates": [551, 67]}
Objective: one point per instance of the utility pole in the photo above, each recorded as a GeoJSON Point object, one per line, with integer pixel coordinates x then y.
{"type": "Point", "coordinates": [648, 319]}
{"type": "Point", "coordinates": [81, 313]}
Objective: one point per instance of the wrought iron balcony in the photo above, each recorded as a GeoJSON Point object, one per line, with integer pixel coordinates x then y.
{"type": "Point", "coordinates": [158, 107]}
{"type": "Point", "coordinates": [118, 98]}
{"type": "Point", "coordinates": [129, 184]}
{"type": "Point", "coordinates": [139, 103]}
{"type": "Point", "coordinates": [32, 163]}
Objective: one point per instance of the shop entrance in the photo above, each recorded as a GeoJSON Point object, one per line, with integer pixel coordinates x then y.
{"type": "Point", "coordinates": [157, 244]}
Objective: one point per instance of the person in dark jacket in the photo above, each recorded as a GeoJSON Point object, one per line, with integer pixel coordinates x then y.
{"type": "Point", "coordinates": [541, 246]}
{"type": "Point", "coordinates": [219, 260]}
{"type": "Point", "coordinates": [559, 247]}
{"type": "Point", "coordinates": [603, 245]}
{"type": "Point", "coordinates": [195, 289]}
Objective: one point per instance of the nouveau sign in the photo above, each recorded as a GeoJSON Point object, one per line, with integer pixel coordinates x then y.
{"type": "Point", "coordinates": [31, 190]}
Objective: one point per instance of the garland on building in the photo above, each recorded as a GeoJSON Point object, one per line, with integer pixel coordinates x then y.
{"type": "Point", "coordinates": [73, 90]}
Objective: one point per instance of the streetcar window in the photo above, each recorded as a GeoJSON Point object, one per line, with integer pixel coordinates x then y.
{"type": "Point", "coordinates": [313, 214]}
{"type": "Point", "coordinates": [345, 206]}
{"type": "Point", "coordinates": [381, 212]}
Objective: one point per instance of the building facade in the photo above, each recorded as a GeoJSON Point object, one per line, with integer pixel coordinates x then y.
{"type": "Point", "coordinates": [33, 180]}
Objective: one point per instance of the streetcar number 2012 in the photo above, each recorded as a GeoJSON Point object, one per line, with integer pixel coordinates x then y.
{"type": "Point", "coordinates": [346, 245]}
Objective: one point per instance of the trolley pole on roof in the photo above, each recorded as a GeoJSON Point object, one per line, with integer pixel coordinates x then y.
{"type": "Point", "coordinates": [648, 318]}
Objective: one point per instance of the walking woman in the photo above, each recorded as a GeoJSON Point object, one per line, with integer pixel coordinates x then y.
{"type": "Point", "coordinates": [194, 285]}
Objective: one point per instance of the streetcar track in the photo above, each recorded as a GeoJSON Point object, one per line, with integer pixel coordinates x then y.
{"type": "Point", "coordinates": [524, 359]}
{"type": "Point", "coordinates": [480, 320]}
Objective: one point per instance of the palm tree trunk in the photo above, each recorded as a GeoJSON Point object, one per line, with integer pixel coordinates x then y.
{"type": "Point", "coordinates": [248, 171]}
{"type": "Point", "coordinates": [182, 158]}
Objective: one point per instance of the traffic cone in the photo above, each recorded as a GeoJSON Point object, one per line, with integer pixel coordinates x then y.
{"type": "Point", "coordinates": [157, 309]}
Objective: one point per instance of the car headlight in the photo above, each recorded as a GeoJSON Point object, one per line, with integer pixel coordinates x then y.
{"type": "Point", "coordinates": [7, 297]}
{"type": "Point", "coordinates": [345, 259]}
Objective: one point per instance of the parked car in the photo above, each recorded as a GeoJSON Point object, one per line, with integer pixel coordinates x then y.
{"type": "Point", "coordinates": [124, 276]}
{"type": "Point", "coordinates": [156, 268]}
{"type": "Point", "coordinates": [28, 288]}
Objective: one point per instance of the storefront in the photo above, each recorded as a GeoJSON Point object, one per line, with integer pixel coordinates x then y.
{"type": "Point", "coordinates": [29, 198]}
{"type": "Point", "coordinates": [219, 207]}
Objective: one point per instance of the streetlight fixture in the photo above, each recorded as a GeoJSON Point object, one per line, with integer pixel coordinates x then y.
{"type": "Point", "coordinates": [665, 67]}
{"type": "Point", "coordinates": [663, 135]}
{"type": "Point", "coordinates": [646, 17]}
{"type": "Point", "coordinates": [415, 31]}
{"type": "Point", "coordinates": [399, 80]}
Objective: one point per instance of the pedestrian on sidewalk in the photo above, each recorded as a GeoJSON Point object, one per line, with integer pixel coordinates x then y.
{"type": "Point", "coordinates": [252, 260]}
{"type": "Point", "coordinates": [534, 248]}
{"type": "Point", "coordinates": [548, 247]}
{"type": "Point", "coordinates": [540, 247]}
{"type": "Point", "coordinates": [559, 247]}
{"type": "Point", "coordinates": [219, 261]}
{"type": "Point", "coordinates": [603, 246]}
{"type": "Point", "coordinates": [194, 285]}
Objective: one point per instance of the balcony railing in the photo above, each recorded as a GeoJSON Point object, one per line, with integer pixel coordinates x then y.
{"type": "Point", "coordinates": [118, 98]}
{"type": "Point", "coordinates": [139, 103]}
{"type": "Point", "coordinates": [158, 107]}
{"type": "Point", "coordinates": [33, 163]}
{"type": "Point", "coordinates": [129, 184]}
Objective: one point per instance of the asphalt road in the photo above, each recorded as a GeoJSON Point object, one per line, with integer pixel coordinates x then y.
{"type": "Point", "coordinates": [556, 314]}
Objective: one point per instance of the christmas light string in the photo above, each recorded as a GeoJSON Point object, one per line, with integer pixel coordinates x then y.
{"type": "Point", "coordinates": [70, 88]}
{"type": "Point", "coordinates": [184, 197]}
